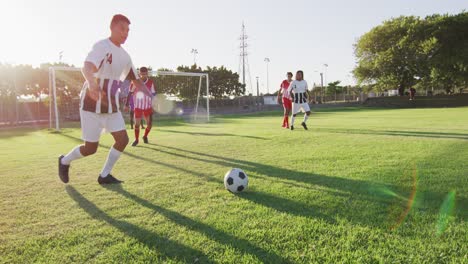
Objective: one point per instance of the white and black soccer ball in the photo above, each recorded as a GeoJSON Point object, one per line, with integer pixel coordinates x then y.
{"type": "Point", "coordinates": [236, 180]}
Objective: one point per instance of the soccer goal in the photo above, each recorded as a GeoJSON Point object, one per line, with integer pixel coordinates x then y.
{"type": "Point", "coordinates": [178, 94]}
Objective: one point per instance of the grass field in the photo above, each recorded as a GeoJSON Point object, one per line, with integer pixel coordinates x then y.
{"type": "Point", "coordinates": [361, 186]}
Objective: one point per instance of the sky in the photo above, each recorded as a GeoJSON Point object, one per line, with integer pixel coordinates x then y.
{"type": "Point", "coordinates": [295, 35]}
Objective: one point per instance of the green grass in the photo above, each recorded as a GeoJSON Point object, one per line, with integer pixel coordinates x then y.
{"type": "Point", "coordinates": [362, 186]}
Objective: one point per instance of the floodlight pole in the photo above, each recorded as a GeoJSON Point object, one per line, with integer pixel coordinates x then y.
{"type": "Point", "coordinates": [326, 67]}
{"type": "Point", "coordinates": [267, 61]}
{"type": "Point", "coordinates": [195, 53]}
{"type": "Point", "coordinates": [321, 90]}
{"type": "Point", "coordinates": [208, 96]}
{"type": "Point", "coordinates": [50, 96]}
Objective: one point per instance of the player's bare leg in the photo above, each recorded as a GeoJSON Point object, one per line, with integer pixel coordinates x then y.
{"type": "Point", "coordinates": [121, 142]}
{"type": "Point", "coordinates": [89, 148]}
{"type": "Point", "coordinates": [293, 118]}
{"type": "Point", "coordinates": [137, 132]}
{"type": "Point", "coordinates": [149, 125]}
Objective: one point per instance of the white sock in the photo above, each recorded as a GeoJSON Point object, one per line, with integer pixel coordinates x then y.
{"type": "Point", "coordinates": [72, 155]}
{"type": "Point", "coordinates": [112, 158]}
{"type": "Point", "coordinates": [293, 118]}
{"type": "Point", "coordinates": [305, 117]}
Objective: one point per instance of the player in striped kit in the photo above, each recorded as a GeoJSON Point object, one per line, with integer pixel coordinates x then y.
{"type": "Point", "coordinates": [104, 69]}
{"type": "Point", "coordinates": [284, 98]}
{"type": "Point", "coordinates": [143, 107]}
{"type": "Point", "coordinates": [301, 97]}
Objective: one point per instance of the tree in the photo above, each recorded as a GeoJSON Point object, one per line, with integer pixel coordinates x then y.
{"type": "Point", "coordinates": [334, 88]}
{"type": "Point", "coordinates": [389, 55]}
{"type": "Point", "coordinates": [223, 83]}
{"type": "Point", "coordinates": [408, 51]}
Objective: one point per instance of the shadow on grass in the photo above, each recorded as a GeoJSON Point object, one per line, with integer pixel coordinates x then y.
{"type": "Point", "coordinates": [354, 189]}
{"type": "Point", "coordinates": [209, 231]}
{"type": "Point", "coordinates": [169, 249]}
{"type": "Point", "coordinates": [211, 134]}
{"type": "Point", "coordinates": [421, 134]}
{"type": "Point", "coordinates": [349, 189]}
{"type": "Point", "coordinates": [373, 212]}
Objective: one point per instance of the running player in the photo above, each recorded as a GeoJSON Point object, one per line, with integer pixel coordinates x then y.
{"type": "Point", "coordinates": [286, 99]}
{"type": "Point", "coordinates": [143, 106]}
{"type": "Point", "coordinates": [105, 67]}
{"type": "Point", "coordinates": [301, 97]}
{"type": "Point", "coordinates": [130, 107]}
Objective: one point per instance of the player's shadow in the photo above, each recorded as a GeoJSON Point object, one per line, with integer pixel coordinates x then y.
{"type": "Point", "coordinates": [170, 249]}
{"type": "Point", "coordinates": [420, 134]}
{"type": "Point", "coordinates": [240, 244]}
{"type": "Point", "coordinates": [348, 189]}
{"type": "Point", "coordinates": [355, 189]}
{"type": "Point", "coordinates": [211, 134]}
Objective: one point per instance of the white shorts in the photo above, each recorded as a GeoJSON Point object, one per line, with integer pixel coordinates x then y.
{"type": "Point", "coordinates": [296, 108]}
{"type": "Point", "coordinates": [93, 125]}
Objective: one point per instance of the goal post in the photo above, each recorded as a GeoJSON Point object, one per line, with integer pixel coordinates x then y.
{"type": "Point", "coordinates": [188, 94]}
{"type": "Point", "coordinates": [178, 75]}
{"type": "Point", "coordinates": [53, 102]}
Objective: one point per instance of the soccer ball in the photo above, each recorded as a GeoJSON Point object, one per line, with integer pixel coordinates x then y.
{"type": "Point", "coordinates": [236, 180]}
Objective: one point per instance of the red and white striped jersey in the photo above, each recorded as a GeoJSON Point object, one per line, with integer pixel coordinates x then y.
{"type": "Point", "coordinates": [141, 100]}
{"type": "Point", "coordinates": [285, 86]}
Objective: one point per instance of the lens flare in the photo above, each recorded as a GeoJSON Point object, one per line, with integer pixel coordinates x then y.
{"type": "Point", "coordinates": [391, 193]}
{"type": "Point", "coordinates": [409, 202]}
{"type": "Point", "coordinates": [139, 95]}
{"type": "Point", "coordinates": [162, 105]}
{"type": "Point", "coordinates": [445, 213]}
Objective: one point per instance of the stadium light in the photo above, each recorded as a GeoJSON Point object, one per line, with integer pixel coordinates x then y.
{"type": "Point", "coordinates": [258, 90]}
{"type": "Point", "coordinates": [267, 61]}
{"type": "Point", "coordinates": [195, 53]}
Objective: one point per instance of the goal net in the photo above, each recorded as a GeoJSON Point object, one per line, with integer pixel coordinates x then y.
{"type": "Point", "coordinates": [178, 94]}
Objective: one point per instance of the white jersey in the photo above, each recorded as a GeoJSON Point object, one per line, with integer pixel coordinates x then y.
{"type": "Point", "coordinates": [114, 66]}
{"type": "Point", "coordinates": [299, 89]}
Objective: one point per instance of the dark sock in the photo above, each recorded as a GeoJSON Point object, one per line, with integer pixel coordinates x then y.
{"type": "Point", "coordinates": [137, 133]}
{"type": "Point", "coordinates": [147, 130]}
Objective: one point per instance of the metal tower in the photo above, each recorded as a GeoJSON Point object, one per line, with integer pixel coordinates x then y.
{"type": "Point", "coordinates": [244, 68]}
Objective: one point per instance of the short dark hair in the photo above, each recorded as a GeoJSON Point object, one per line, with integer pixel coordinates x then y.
{"type": "Point", "coordinates": [290, 73]}
{"type": "Point", "coordinates": [119, 18]}
{"type": "Point", "coordinates": [302, 73]}
{"type": "Point", "coordinates": [144, 69]}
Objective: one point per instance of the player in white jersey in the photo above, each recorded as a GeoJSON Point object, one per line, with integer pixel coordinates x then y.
{"type": "Point", "coordinates": [105, 67]}
{"type": "Point", "coordinates": [300, 97]}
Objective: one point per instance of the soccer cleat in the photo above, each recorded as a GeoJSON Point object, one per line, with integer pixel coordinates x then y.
{"type": "Point", "coordinates": [109, 179]}
{"type": "Point", "coordinates": [135, 143]}
{"type": "Point", "coordinates": [292, 127]}
{"type": "Point", "coordinates": [145, 139]}
{"type": "Point", "coordinates": [304, 125]}
{"type": "Point", "coordinates": [63, 170]}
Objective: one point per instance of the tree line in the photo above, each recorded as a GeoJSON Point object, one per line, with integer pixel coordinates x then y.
{"type": "Point", "coordinates": [408, 51]}
{"type": "Point", "coordinates": [17, 80]}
